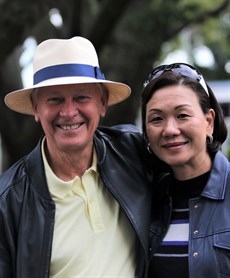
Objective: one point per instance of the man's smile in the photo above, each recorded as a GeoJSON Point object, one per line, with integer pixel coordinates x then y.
{"type": "Point", "coordinates": [70, 127]}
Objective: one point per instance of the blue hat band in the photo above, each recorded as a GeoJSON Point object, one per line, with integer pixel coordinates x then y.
{"type": "Point", "coordinates": [67, 70]}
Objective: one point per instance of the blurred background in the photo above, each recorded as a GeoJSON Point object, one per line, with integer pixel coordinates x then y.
{"type": "Point", "coordinates": [130, 36]}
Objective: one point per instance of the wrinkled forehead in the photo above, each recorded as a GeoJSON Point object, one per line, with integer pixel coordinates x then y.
{"type": "Point", "coordinates": [81, 87]}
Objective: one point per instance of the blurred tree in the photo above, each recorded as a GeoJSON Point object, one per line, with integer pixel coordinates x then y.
{"type": "Point", "coordinates": [128, 36]}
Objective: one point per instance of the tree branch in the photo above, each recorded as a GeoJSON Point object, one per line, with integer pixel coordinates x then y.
{"type": "Point", "coordinates": [202, 17]}
{"type": "Point", "coordinates": [106, 21]}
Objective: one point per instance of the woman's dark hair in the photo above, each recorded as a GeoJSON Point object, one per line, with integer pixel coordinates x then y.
{"type": "Point", "coordinates": [169, 78]}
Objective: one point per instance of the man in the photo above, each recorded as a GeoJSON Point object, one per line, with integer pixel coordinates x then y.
{"type": "Point", "coordinates": [78, 205]}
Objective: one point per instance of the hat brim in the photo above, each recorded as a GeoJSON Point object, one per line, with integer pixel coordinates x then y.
{"type": "Point", "coordinates": [20, 100]}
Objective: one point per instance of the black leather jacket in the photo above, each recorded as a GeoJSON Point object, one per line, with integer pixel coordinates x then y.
{"type": "Point", "coordinates": [27, 212]}
{"type": "Point", "coordinates": [209, 223]}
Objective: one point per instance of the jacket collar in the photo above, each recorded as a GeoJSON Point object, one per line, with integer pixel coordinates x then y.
{"type": "Point", "coordinates": [36, 172]}
{"type": "Point", "coordinates": [121, 185]}
{"type": "Point", "coordinates": [216, 186]}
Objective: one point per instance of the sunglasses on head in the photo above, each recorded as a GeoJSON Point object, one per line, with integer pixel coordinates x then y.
{"type": "Point", "coordinates": [180, 68]}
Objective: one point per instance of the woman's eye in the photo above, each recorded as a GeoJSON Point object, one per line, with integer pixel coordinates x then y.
{"type": "Point", "coordinates": [156, 119]}
{"type": "Point", "coordinates": [181, 116]}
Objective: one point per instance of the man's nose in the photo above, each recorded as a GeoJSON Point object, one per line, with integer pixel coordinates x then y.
{"type": "Point", "coordinates": [69, 109]}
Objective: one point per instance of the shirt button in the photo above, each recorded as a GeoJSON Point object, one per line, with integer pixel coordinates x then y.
{"type": "Point", "coordinates": [195, 254]}
{"type": "Point", "coordinates": [196, 232]}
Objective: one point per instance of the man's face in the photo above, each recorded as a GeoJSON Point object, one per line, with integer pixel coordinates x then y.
{"type": "Point", "coordinates": [69, 115]}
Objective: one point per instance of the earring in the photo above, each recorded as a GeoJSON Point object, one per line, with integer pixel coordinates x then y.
{"type": "Point", "coordinates": [148, 148]}
{"type": "Point", "coordinates": [209, 139]}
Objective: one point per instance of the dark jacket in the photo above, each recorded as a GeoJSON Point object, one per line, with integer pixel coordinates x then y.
{"type": "Point", "coordinates": [27, 212]}
{"type": "Point", "coordinates": [209, 223]}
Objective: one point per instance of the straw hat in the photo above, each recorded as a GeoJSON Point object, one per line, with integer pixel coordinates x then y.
{"type": "Point", "coordinates": [63, 62]}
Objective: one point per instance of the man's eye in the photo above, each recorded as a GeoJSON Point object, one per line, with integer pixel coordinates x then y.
{"type": "Point", "coordinates": [55, 100]}
{"type": "Point", "coordinates": [81, 98]}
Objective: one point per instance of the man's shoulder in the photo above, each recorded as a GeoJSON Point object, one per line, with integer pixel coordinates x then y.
{"type": "Point", "coordinates": [119, 130]}
{"type": "Point", "coordinates": [120, 137]}
{"type": "Point", "coordinates": [22, 170]}
{"type": "Point", "coordinates": [12, 176]}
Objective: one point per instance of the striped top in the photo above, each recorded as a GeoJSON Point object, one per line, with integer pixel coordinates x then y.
{"type": "Point", "coordinates": [171, 258]}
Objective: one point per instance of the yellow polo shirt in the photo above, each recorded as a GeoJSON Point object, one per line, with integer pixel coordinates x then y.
{"type": "Point", "coordinates": [92, 236]}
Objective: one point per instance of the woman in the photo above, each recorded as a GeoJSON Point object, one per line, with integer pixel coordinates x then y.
{"type": "Point", "coordinates": [184, 127]}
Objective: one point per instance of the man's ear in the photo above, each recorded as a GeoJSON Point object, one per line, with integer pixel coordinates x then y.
{"type": "Point", "coordinates": [104, 103]}
{"type": "Point", "coordinates": [36, 115]}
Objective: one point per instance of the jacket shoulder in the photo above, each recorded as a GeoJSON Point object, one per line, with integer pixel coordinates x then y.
{"type": "Point", "coordinates": [20, 170]}
{"type": "Point", "coordinates": [12, 175]}
{"type": "Point", "coordinates": [119, 130]}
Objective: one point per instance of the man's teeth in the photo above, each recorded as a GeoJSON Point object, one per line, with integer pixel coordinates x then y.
{"type": "Point", "coordinates": [68, 127]}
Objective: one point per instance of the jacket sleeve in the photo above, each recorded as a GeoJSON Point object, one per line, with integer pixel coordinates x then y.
{"type": "Point", "coordinates": [6, 242]}
{"type": "Point", "coordinates": [10, 208]}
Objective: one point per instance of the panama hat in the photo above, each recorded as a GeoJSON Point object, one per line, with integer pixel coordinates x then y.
{"type": "Point", "coordinates": [63, 62]}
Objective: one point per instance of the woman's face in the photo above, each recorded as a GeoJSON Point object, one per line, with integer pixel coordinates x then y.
{"type": "Point", "coordinates": [177, 128]}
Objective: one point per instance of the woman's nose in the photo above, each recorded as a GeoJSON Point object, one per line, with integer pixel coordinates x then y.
{"type": "Point", "coordinates": [171, 128]}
